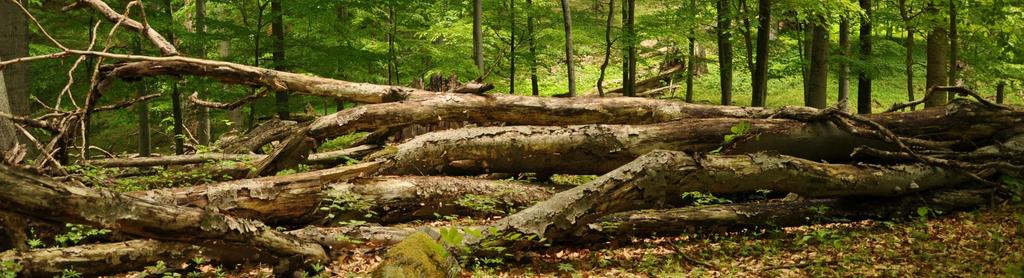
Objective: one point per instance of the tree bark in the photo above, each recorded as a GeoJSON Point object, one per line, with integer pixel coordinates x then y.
{"type": "Point", "coordinates": [937, 75]}
{"type": "Point", "coordinates": [202, 130]}
{"type": "Point", "coordinates": [277, 28]}
{"type": "Point", "coordinates": [760, 82]}
{"type": "Point", "coordinates": [14, 37]}
{"type": "Point", "coordinates": [179, 124]}
{"type": "Point", "coordinates": [478, 35]}
{"type": "Point", "coordinates": [658, 178]}
{"type": "Point", "coordinates": [725, 50]}
{"type": "Point", "coordinates": [844, 66]}
{"type": "Point", "coordinates": [816, 95]}
{"type": "Point", "coordinates": [631, 41]}
{"type": "Point", "coordinates": [954, 46]}
{"type": "Point", "coordinates": [44, 198]}
{"type": "Point", "coordinates": [863, 79]}
{"type": "Point", "coordinates": [512, 48]}
{"type": "Point", "coordinates": [569, 57]}
{"type": "Point", "coordinates": [8, 132]}
{"type": "Point", "coordinates": [534, 86]}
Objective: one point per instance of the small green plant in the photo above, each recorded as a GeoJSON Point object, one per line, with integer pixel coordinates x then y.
{"type": "Point", "coordinates": [34, 241]}
{"type": "Point", "coordinates": [1014, 184]}
{"type": "Point", "coordinates": [818, 237]}
{"type": "Point", "coordinates": [76, 233]}
{"type": "Point", "coordinates": [697, 198]}
{"type": "Point", "coordinates": [341, 142]}
{"type": "Point", "coordinates": [566, 267]}
{"type": "Point", "coordinates": [480, 203]}
{"type": "Point", "coordinates": [344, 203]}
{"type": "Point", "coordinates": [301, 168]}
{"type": "Point", "coordinates": [739, 130]}
{"type": "Point", "coordinates": [70, 273]}
{"type": "Point", "coordinates": [9, 269]}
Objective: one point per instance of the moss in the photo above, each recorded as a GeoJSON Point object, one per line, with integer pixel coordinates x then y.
{"type": "Point", "coordinates": [418, 255]}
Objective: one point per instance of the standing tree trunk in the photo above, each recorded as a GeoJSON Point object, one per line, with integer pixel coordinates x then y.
{"type": "Point", "coordinates": [8, 135]}
{"type": "Point", "coordinates": [954, 46]}
{"type": "Point", "coordinates": [760, 82]}
{"type": "Point", "coordinates": [748, 41]}
{"type": "Point", "coordinates": [725, 50]}
{"type": "Point", "coordinates": [567, 16]}
{"type": "Point", "coordinates": [937, 74]}
{"type": "Point", "coordinates": [142, 110]}
{"type": "Point", "coordinates": [691, 63]}
{"type": "Point", "coordinates": [817, 82]}
{"type": "Point", "coordinates": [277, 28]}
{"type": "Point", "coordinates": [625, 40]}
{"type": "Point", "coordinates": [607, 46]}
{"type": "Point", "coordinates": [179, 125]}
{"type": "Point", "coordinates": [863, 80]}
{"type": "Point", "coordinates": [534, 87]}
{"type": "Point", "coordinates": [908, 44]}
{"type": "Point", "coordinates": [14, 38]}
{"type": "Point", "coordinates": [202, 131]}
{"type": "Point", "coordinates": [844, 66]}
{"type": "Point", "coordinates": [478, 35]}
{"type": "Point", "coordinates": [392, 53]}
{"type": "Point", "coordinates": [512, 48]}
{"type": "Point", "coordinates": [631, 41]}
{"type": "Point", "coordinates": [1000, 91]}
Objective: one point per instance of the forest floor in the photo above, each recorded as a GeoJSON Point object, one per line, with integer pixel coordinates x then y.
{"type": "Point", "coordinates": [982, 243]}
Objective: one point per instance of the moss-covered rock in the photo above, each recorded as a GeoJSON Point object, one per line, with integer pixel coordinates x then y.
{"type": "Point", "coordinates": [419, 255]}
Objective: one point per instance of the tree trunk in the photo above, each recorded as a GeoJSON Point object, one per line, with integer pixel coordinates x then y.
{"type": "Point", "coordinates": [938, 48]}
{"type": "Point", "coordinates": [179, 125]}
{"type": "Point", "coordinates": [569, 57]}
{"type": "Point", "coordinates": [725, 50]}
{"type": "Point", "coordinates": [8, 132]}
{"type": "Point", "coordinates": [954, 46]}
{"type": "Point", "coordinates": [1000, 91]}
{"type": "Point", "coordinates": [817, 85]}
{"type": "Point", "coordinates": [607, 46]}
{"type": "Point", "coordinates": [863, 79]}
{"type": "Point", "coordinates": [844, 66]}
{"type": "Point", "coordinates": [202, 131]}
{"type": "Point", "coordinates": [512, 48]}
{"type": "Point", "coordinates": [658, 178]}
{"type": "Point", "coordinates": [14, 37]}
{"type": "Point", "coordinates": [760, 82]}
{"type": "Point", "coordinates": [748, 42]}
{"type": "Point", "coordinates": [909, 65]}
{"type": "Point", "coordinates": [46, 199]}
{"type": "Point", "coordinates": [277, 28]}
{"type": "Point", "coordinates": [631, 41]}
{"type": "Point", "coordinates": [478, 35]}
{"type": "Point", "coordinates": [534, 86]}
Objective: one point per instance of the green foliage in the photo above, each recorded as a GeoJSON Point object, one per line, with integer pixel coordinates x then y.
{"type": "Point", "coordinates": [735, 132]}
{"type": "Point", "coordinates": [341, 142]}
{"type": "Point", "coordinates": [1014, 184]}
{"type": "Point", "coordinates": [480, 203]}
{"type": "Point", "coordinates": [9, 269]}
{"type": "Point", "coordinates": [347, 204]}
{"type": "Point", "coordinates": [301, 168]}
{"type": "Point", "coordinates": [76, 233]}
{"type": "Point", "coordinates": [70, 273]}
{"type": "Point", "coordinates": [697, 199]}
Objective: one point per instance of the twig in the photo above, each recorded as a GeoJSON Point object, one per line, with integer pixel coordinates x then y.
{"type": "Point", "coordinates": [690, 259]}
{"type": "Point", "coordinates": [38, 25]}
{"type": "Point", "coordinates": [194, 98]}
{"type": "Point", "coordinates": [955, 89]}
{"type": "Point", "coordinates": [126, 103]}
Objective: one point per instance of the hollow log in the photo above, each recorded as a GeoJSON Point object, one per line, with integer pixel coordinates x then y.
{"type": "Point", "coordinates": [44, 198]}
{"type": "Point", "coordinates": [658, 178]}
{"type": "Point", "coordinates": [297, 199]}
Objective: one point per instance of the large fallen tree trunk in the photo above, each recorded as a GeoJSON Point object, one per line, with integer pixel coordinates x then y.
{"type": "Point", "coordinates": [658, 178]}
{"type": "Point", "coordinates": [298, 199]}
{"type": "Point", "coordinates": [598, 149]}
{"type": "Point", "coordinates": [44, 198]}
{"type": "Point", "coordinates": [769, 214]}
{"type": "Point", "coordinates": [170, 160]}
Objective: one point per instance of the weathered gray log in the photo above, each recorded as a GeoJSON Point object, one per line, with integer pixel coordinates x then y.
{"type": "Point", "coordinates": [771, 214]}
{"type": "Point", "coordinates": [297, 199]}
{"type": "Point", "coordinates": [598, 149]}
{"type": "Point", "coordinates": [252, 141]}
{"type": "Point", "coordinates": [44, 198]}
{"type": "Point", "coordinates": [339, 156]}
{"type": "Point", "coordinates": [658, 178]}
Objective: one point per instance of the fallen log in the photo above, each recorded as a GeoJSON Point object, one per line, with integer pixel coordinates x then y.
{"type": "Point", "coordinates": [339, 156]}
{"type": "Point", "coordinates": [170, 160]}
{"type": "Point", "coordinates": [44, 198]}
{"type": "Point", "coordinates": [770, 214]}
{"type": "Point", "coordinates": [658, 178]}
{"type": "Point", "coordinates": [598, 149]}
{"type": "Point", "coordinates": [298, 199]}
{"type": "Point", "coordinates": [252, 141]}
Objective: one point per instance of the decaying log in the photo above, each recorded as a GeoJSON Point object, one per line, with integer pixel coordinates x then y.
{"type": "Point", "coordinates": [120, 257]}
{"type": "Point", "coordinates": [44, 198]}
{"type": "Point", "coordinates": [653, 82]}
{"type": "Point", "coordinates": [658, 178]}
{"type": "Point", "coordinates": [251, 142]}
{"type": "Point", "coordinates": [171, 160]}
{"type": "Point", "coordinates": [783, 213]}
{"type": "Point", "coordinates": [297, 199]}
{"type": "Point", "coordinates": [598, 149]}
